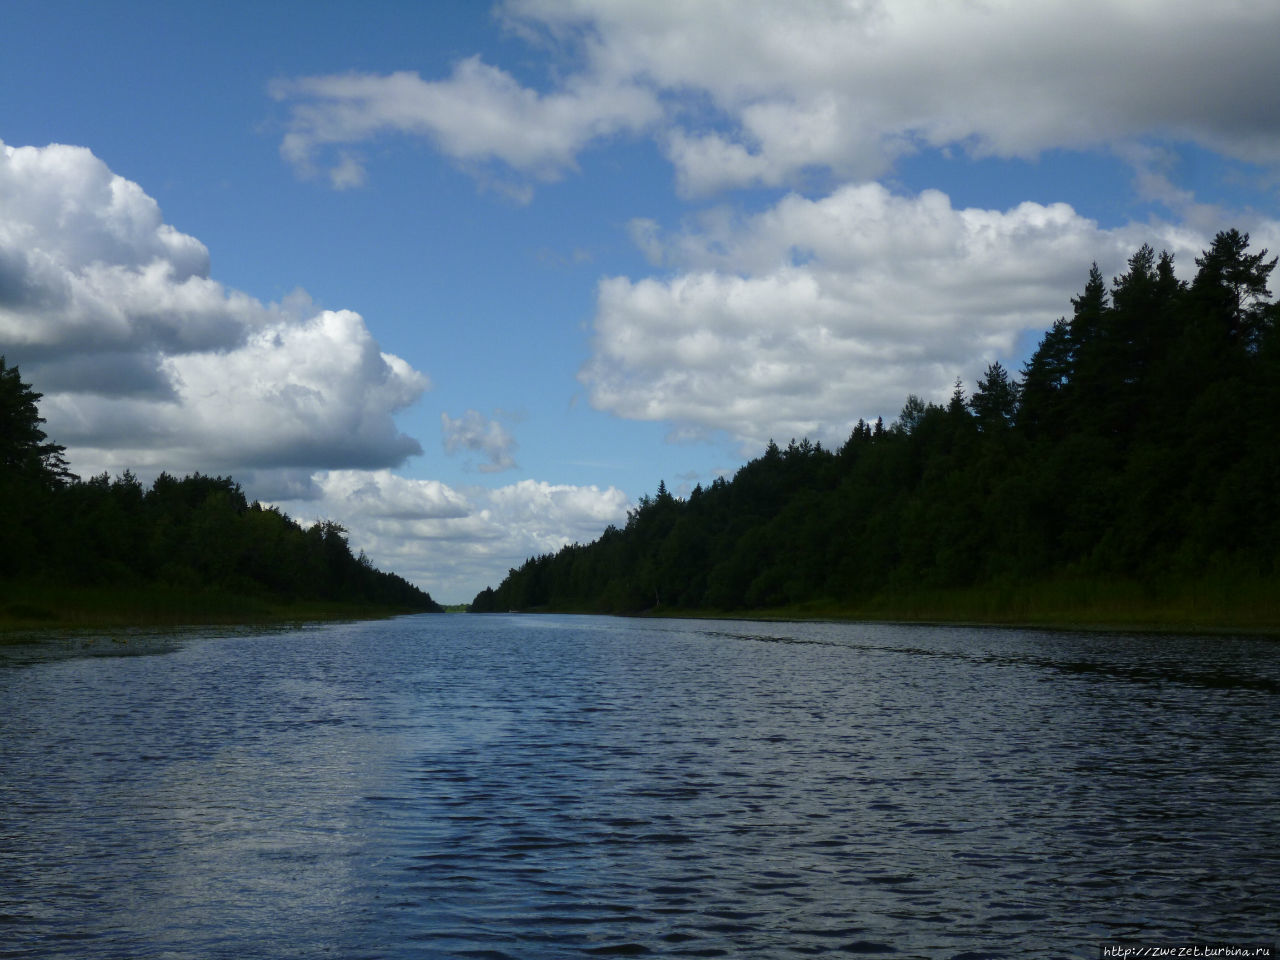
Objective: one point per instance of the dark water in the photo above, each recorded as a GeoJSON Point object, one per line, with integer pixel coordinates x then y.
{"type": "Point", "coordinates": [457, 786]}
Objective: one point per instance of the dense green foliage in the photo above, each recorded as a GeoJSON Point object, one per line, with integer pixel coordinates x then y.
{"type": "Point", "coordinates": [197, 533]}
{"type": "Point", "coordinates": [1139, 443]}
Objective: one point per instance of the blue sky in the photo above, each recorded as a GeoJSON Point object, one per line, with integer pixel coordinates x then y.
{"type": "Point", "coordinates": [471, 279]}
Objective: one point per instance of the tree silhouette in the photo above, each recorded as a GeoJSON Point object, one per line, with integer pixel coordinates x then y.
{"type": "Point", "coordinates": [25, 450]}
{"type": "Point", "coordinates": [1231, 287]}
{"type": "Point", "coordinates": [194, 534]}
{"type": "Point", "coordinates": [1140, 444]}
{"type": "Point", "coordinates": [995, 401]}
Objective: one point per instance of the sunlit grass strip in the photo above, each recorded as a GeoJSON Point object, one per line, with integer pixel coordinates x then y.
{"type": "Point", "coordinates": [1225, 602]}
{"type": "Point", "coordinates": [1221, 603]}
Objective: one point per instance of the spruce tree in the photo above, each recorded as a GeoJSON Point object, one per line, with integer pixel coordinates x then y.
{"type": "Point", "coordinates": [995, 401]}
{"type": "Point", "coordinates": [25, 450]}
{"type": "Point", "coordinates": [1231, 287]}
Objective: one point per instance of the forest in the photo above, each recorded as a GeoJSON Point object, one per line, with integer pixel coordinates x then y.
{"type": "Point", "coordinates": [180, 548]}
{"type": "Point", "coordinates": [1135, 454]}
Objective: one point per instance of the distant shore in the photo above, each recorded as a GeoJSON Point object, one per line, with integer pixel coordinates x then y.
{"type": "Point", "coordinates": [1219, 606]}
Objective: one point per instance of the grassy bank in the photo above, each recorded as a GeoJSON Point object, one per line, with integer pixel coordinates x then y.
{"type": "Point", "coordinates": [1226, 602]}
{"type": "Point", "coordinates": [33, 606]}
{"type": "Point", "coordinates": [1219, 604]}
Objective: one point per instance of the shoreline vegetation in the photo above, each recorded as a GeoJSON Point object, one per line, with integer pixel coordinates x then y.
{"type": "Point", "coordinates": [27, 608]}
{"type": "Point", "coordinates": [1219, 605]}
{"type": "Point", "coordinates": [1210, 606]}
{"type": "Point", "coordinates": [1128, 478]}
{"type": "Point", "coordinates": [189, 550]}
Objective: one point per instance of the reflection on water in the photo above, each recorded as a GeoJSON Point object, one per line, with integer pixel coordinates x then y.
{"type": "Point", "coordinates": [571, 786]}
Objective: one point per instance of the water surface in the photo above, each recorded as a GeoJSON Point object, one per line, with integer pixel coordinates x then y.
{"type": "Point", "coordinates": [545, 787]}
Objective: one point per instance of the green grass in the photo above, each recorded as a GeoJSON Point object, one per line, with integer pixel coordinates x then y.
{"type": "Point", "coordinates": [27, 606]}
{"type": "Point", "coordinates": [1212, 604]}
{"type": "Point", "coordinates": [1230, 601]}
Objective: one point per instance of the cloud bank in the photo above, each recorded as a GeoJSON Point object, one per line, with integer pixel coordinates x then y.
{"type": "Point", "coordinates": [801, 319]}
{"type": "Point", "coordinates": [756, 93]}
{"type": "Point", "coordinates": [147, 362]}
{"type": "Point", "coordinates": [411, 525]}
{"type": "Point", "coordinates": [822, 309]}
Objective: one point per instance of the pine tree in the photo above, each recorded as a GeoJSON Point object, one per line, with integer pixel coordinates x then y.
{"type": "Point", "coordinates": [24, 447]}
{"type": "Point", "coordinates": [1231, 286]}
{"type": "Point", "coordinates": [1045, 380]}
{"type": "Point", "coordinates": [995, 401]}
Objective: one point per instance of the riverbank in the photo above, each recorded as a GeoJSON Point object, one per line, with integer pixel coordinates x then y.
{"type": "Point", "coordinates": [1218, 604]}
{"type": "Point", "coordinates": [27, 606]}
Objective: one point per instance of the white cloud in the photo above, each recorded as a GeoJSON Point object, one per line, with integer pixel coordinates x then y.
{"type": "Point", "coordinates": [800, 320]}
{"type": "Point", "coordinates": [383, 495]}
{"type": "Point", "coordinates": [348, 173]}
{"type": "Point", "coordinates": [87, 265]}
{"type": "Point", "coordinates": [478, 114]}
{"type": "Point", "coordinates": [755, 92]}
{"type": "Point", "coordinates": [146, 362]}
{"type": "Point", "coordinates": [472, 431]}
{"type": "Point", "coordinates": [850, 86]}
{"type": "Point", "coordinates": [455, 543]}
{"type": "Point", "coordinates": [295, 394]}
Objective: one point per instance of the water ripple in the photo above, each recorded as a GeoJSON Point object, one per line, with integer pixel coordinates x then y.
{"type": "Point", "coordinates": [498, 787]}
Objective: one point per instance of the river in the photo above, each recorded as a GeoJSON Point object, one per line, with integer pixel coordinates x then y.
{"type": "Point", "coordinates": [551, 787]}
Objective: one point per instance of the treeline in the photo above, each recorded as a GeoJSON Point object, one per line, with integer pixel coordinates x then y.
{"type": "Point", "coordinates": [1139, 442]}
{"type": "Point", "coordinates": [195, 534]}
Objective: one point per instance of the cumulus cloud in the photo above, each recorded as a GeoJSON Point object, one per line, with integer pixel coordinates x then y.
{"type": "Point", "coordinates": [304, 394]}
{"type": "Point", "coordinates": [851, 86]}
{"type": "Point", "coordinates": [479, 113]}
{"type": "Point", "coordinates": [87, 265]}
{"type": "Point", "coordinates": [473, 431]}
{"type": "Point", "coordinates": [454, 543]}
{"type": "Point", "coordinates": [382, 495]}
{"type": "Point", "coordinates": [801, 319]}
{"type": "Point", "coordinates": [145, 361]}
{"type": "Point", "coordinates": [754, 92]}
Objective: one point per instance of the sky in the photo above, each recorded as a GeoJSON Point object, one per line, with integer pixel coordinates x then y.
{"type": "Point", "coordinates": [470, 279]}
